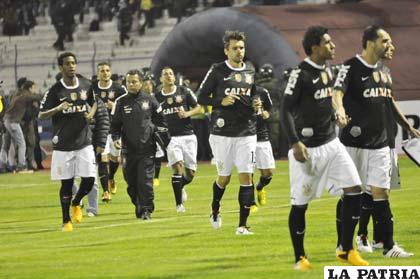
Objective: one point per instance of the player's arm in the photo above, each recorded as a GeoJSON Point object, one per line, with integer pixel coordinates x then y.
{"type": "Point", "coordinates": [50, 105]}
{"type": "Point", "coordinates": [340, 86]}
{"type": "Point", "coordinates": [94, 106]}
{"type": "Point", "coordinates": [267, 104]}
{"type": "Point", "coordinates": [207, 89]}
{"type": "Point", "coordinates": [289, 103]}
{"type": "Point", "coordinates": [402, 120]}
{"type": "Point", "coordinates": [116, 124]}
{"type": "Point", "coordinates": [192, 103]}
{"type": "Point", "coordinates": [161, 133]}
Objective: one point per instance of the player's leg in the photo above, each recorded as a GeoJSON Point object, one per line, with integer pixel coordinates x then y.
{"type": "Point", "coordinates": [177, 170]}
{"type": "Point", "coordinates": [264, 159]}
{"type": "Point", "coordinates": [189, 153]}
{"type": "Point", "coordinates": [65, 201]}
{"type": "Point", "coordinates": [114, 158]}
{"type": "Point", "coordinates": [221, 148]}
{"type": "Point", "coordinates": [102, 160]}
{"type": "Point", "coordinates": [145, 170]}
{"type": "Point", "coordinates": [244, 156]}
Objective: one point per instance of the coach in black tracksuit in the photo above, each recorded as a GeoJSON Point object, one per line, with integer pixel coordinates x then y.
{"type": "Point", "coordinates": [135, 119]}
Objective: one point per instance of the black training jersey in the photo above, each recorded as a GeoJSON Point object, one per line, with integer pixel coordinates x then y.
{"type": "Point", "coordinates": [263, 133]}
{"type": "Point", "coordinates": [109, 93]}
{"type": "Point", "coordinates": [181, 99]}
{"type": "Point", "coordinates": [71, 131]}
{"type": "Point", "coordinates": [366, 100]}
{"type": "Point", "coordinates": [221, 80]}
{"type": "Point", "coordinates": [307, 114]}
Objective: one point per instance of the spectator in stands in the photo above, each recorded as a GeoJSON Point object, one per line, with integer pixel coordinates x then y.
{"type": "Point", "coordinates": [13, 116]}
{"type": "Point", "coordinates": [124, 21]}
{"type": "Point", "coordinates": [147, 8]}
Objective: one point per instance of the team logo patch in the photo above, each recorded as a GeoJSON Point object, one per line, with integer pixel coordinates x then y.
{"type": "Point", "coordinates": [73, 96]}
{"type": "Point", "coordinates": [111, 94]}
{"type": "Point", "coordinates": [55, 140]}
{"type": "Point", "coordinates": [170, 101]}
{"type": "Point", "coordinates": [384, 78]}
{"type": "Point", "coordinates": [220, 122]}
{"type": "Point", "coordinates": [178, 99]}
{"type": "Point", "coordinates": [324, 77]}
{"type": "Point", "coordinates": [307, 188]}
{"type": "Point", "coordinates": [248, 78]}
{"type": "Point", "coordinates": [103, 94]}
{"type": "Point", "coordinates": [238, 77]}
{"type": "Point", "coordinates": [83, 95]}
{"type": "Point", "coordinates": [376, 77]}
{"type": "Point", "coordinates": [145, 105]}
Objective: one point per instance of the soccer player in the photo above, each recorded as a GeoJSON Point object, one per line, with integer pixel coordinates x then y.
{"type": "Point", "coordinates": [317, 158]}
{"type": "Point", "coordinates": [229, 87]}
{"type": "Point", "coordinates": [136, 117]}
{"type": "Point", "coordinates": [148, 87]}
{"type": "Point", "coordinates": [108, 92]}
{"type": "Point", "coordinates": [71, 105]}
{"type": "Point", "coordinates": [179, 104]}
{"type": "Point", "coordinates": [264, 158]}
{"type": "Point", "coordinates": [362, 99]}
{"type": "Point", "coordinates": [395, 116]}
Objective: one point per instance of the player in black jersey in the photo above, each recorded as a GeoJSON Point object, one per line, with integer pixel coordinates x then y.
{"type": "Point", "coordinates": [148, 88]}
{"type": "Point", "coordinates": [179, 104]}
{"type": "Point", "coordinates": [264, 158]}
{"type": "Point", "coordinates": [108, 91]}
{"type": "Point", "coordinates": [229, 87]}
{"type": "Point", "coordinates": [317, 159]}
{"type": "Point", "coordinates": [136, 117]}
{"type": "Point", "coordinates": [71, 105]}
{"type": "Point", "coordinates": [362, 99]}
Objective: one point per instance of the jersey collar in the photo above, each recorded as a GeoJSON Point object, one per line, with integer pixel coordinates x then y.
{"type": "Point", "coordinates": [70, 87]}
{"type": "Point", "coordinates": [233, 68]}
{"type": "Point", "coordinates": [170, 93]}
{"type": "Point", "coordinates": [313, 64]}
{"type": "Point", "coordinates": [358, 56]}
{"type": "Point", "coordinates": [107, 87]}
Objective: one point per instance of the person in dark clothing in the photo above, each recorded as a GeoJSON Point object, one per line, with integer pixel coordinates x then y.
{"type": "Point", "coordinates": [136, 117]}
{"type": "Point", "coordinates": [12, 118]}
{"type": "Point", "coordinates": [124, 22]}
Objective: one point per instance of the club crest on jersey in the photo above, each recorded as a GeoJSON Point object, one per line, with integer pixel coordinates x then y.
{"type": "Point", "coordinates": [83, 95]}
{"type": "Point", "coordinates": [73, 96]}
{"type": "Point", "coordinates": [384, 78]}
{"type": "Point", "coordinates": [103, 94]}
{"type": "Point", "coordinates": [248, 78]}
{"type": "Point", "coordinates": [324, 78]}
{"type": "Point", "coordinates": [145, 105]}
{"type": "Point", "coordinates": [111, 94]}
{"type": "Point", "coordinates": [170, 101]}
{"type": "Point", "coordinates": [220, 122]}
{"type": "Point", "coordinates": [178, 99]}
{"type": "Point", "coordinates": [238, 77]}
{"type": "Point", "coordinates": [376, 77]}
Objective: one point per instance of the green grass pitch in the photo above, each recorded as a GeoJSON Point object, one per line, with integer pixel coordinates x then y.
{"type": "Point", "coordinates": [174, 246]}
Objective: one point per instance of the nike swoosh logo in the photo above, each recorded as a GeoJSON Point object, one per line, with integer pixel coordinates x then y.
{"type": "Point", "coordinates": [228, 78]}
{"type": "Point", "coordinates": [62, 99]}
{"type": "Point", "coordinates": [355, 217]}
{"type": "Point", "coordinates": [315, 80]}
{"type": "Point", "coordinates": [365, 78]}
{"type": "Point", "coordinates": [300, 233]}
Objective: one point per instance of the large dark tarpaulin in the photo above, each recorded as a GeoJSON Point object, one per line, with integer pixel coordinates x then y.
{"type": "Point", "coordinates": [196, 43]}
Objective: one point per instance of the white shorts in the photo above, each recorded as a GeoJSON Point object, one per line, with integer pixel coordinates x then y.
{"type": "Point", "coordinates": [183, 148]}
{"type": "Point", "coordinates": [373, 165]}
{"type": "Point", "coordinates": [230, 152]}
{"type": "Point", "coordinates": [110, 148]}
{"type": "Point", "coordinates": [264, 158]}
{"type": "Point", "coordinates": [395, 170]}
{"type": "Point", "coordinates": [70, 164]}
{"type": "Point", "coordinates": [329, 167]}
